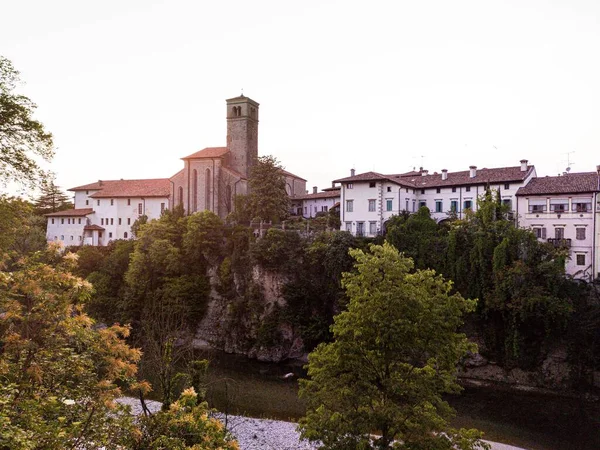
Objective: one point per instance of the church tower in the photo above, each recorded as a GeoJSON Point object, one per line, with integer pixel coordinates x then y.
{"type": "Point", "coordinates": [242, 133]}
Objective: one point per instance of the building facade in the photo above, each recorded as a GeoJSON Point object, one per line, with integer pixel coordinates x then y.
{"type": "Point", "coordinates": [369, 199]}
{"type": "Point", "coordinates": [309, 205]}
{"type": "Point", "coordinates": [105, 210]}
{"type": "Point", "coordinates": [564, 212]}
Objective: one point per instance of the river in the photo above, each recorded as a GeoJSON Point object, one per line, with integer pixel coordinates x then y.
{"type": "Point", "coordinates": [533, 421]}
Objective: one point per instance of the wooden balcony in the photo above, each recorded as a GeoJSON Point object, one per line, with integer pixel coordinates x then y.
{"type": "Point", "coordinates": [563, 243]}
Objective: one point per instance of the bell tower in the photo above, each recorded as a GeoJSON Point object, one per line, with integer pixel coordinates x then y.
{"type": "Point", "coordinates": [242, 133]}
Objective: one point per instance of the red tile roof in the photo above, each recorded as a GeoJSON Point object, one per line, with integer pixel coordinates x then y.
{"type": "Point", "coordinates": [325, 194]}
{"type": "Point", "coordinates": [71, 213]}
{"type": "Point", "coordinates": [572, 183]}
{"type": "Point", "coordinates": [93, 227]}
{"type": "Point", "coordinates": [209, 152]}
{"type": "Point", "coordinates": [159, 187]}
{"type": "Point", "coordinates": [374, 176]}
{"type": "Point", "coordinates": [483, 176]}
{"type": "Point", "coordinates": [463, 178]}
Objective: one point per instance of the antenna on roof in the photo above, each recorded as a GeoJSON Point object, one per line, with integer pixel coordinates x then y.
{"type": "Point", "coordinates": [569, 163]}
{"type": "Point", "coordinates": [242, 94]}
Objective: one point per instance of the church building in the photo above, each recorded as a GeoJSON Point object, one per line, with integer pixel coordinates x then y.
{"type": "Point", "coordinates": [213, 176]}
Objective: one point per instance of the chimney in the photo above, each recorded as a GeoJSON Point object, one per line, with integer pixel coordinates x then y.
{"type": "Point", "coordinates": [444, 174]}
{"type": "Point", "coordinates": [314, 189]}
{"type": "Point", "coordinates": [472, 171]}
{"type": "Point", "coordinates": [100, 182]}
{"type": "Point", "coordinates": [598, 170]}
{"type": "Point", "coordinates": [333, 184]}
{"type": "Point", "coordinates": [424, 172]}
{"type": "Point", "coordinates": [523, 165]}
{"type": "Point", "coordinates": [352, 172]}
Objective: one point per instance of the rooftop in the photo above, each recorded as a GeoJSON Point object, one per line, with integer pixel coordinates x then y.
{"type": "Point", "coordinates": [209, 152]}
{"type": "Point", "coordinates": [572, 183]}
{"type": "Point", "coordinates": [158, 187]}
{"type": "Point", "coordinates": [71, 213]}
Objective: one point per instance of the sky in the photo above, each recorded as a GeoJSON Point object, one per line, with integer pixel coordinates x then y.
{"type": "Point", "coordinates": [128, 87]}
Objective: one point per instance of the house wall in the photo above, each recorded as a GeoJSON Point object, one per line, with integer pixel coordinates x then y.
{"type": "Point", "coordinates": [310, 207]}
{"type": "Point", "coordinates": [570, 221]}
{"type": "Point", "coordinates": [65, 230]}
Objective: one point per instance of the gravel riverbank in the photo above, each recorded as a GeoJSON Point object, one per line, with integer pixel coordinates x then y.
{"type": "Point", "coordinates": [262, 434]}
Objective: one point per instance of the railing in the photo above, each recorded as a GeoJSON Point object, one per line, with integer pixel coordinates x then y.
{"type": "Point", "coordinates": [560, 242]}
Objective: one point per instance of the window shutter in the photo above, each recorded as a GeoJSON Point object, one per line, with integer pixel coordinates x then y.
{"type": "Point", "coordinates": [543, 233]}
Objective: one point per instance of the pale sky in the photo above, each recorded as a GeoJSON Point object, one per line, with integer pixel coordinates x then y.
{"type": "Point", "coordinates": [129, 87]}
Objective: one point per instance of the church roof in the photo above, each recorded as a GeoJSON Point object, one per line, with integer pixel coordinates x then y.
{"type": "Point", "coordinates": [71, 213]}
{"type": "Point", "coordinates": [158, 187]}
{"type": "Point", "coordinates": [209, 152]}
{"type": "Point", "coordinates": [572, 183]}
{"type": "Point", "coordinates": [289, 174]}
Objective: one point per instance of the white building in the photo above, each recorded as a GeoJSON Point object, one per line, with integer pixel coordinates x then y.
{"type": "Point", "coordinates": [564, 211]}
{"type": "Point", "coordinates": [369, 199]}
{"type": "Point", "coordinates": [309, 205]}
{"type": "Point", "coordinates": [105, 210]}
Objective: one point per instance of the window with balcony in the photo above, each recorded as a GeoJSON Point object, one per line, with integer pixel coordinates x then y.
{"type": "Point", "coordinates": [371, 205]}
{"type": "Point", "coordinates": [580, 233]}
{"type": "Point", "coordinates": [559, 233]}
{"type": "Point", "coordinates": [582, 207]}
{"type": "Point", "coordinates": [349, 205]}
{"type": "Point", "coordinates": [540, 232]}
{"type": "Point", "coordinates": [559, 205]}
{"type": "Point", "coordinates": [537, 205]}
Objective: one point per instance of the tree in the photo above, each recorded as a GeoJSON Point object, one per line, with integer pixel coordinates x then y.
{"type": "Point", "coordinates": [60, 374]}
{"type": "Point", "coordinates": [52, 199]}
{"type": "Point", "coordinates": [22, 138]}
{"type": "Point", "coordinates": [268, 198]}
{"type": "Point", "coordinates": [21, 232]}
{"type": "Point", "coordinates": [395, 351]}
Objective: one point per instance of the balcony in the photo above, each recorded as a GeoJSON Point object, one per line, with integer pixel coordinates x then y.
{"type": "Point", "coordinates": [562, 243]}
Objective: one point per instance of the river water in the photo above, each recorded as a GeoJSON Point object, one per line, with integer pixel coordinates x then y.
{"type": "Point", "coordinates": [534, 421]}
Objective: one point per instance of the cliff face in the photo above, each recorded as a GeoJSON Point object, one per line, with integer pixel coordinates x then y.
{"type": "Point", "coordinates": [249, 320]}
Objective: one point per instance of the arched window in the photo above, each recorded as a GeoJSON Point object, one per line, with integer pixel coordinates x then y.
{"type": "Point", "coordinates": [228, 199]}
{"type": "Point", "coordinates": [207, 189]}
{"type": "Point", "coordinates": [195, 191]}
{"type": "Point", "coordinates": [180, 202]}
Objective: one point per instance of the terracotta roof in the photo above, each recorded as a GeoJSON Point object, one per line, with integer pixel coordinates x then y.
{"type": "Point", "coordinates": [158, 187]}
{"type": "Point", "coordinates": [71, 212]}
{"type": "Point", "coordinates": [327, 194]}
{"type": "Point", "coordinates": [93, 227]}
{"type": "Point", "coordinates": [374, 176]}
{"type": "Point", "coordinates": [209, 152]}
{"type": "Point", "coordinates": [483, 176]}
{"type": "Point", "coordinates": [567, 184]}
{"type": "Point", "coordinates": [290, 174]}
{"type": "Point", "coordinates": [334, 188]}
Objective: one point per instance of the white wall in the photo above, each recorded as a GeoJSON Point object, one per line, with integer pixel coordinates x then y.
{"type": "Point", "coordinates": [310, 207]}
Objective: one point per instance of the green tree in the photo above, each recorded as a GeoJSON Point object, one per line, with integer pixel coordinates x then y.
{"type": "Point", "coordinates": [51, 199]}
{"type": "Point", "coordinates": [268, 199]}
{"type": "Point", "coordinates": [60, 374]}
{"type": "Point", "coordinates": [379, 384]}
{"type": "Point", "coordinates": [21, 232]}
{"type": "Point", "coordinates": [22, 138]}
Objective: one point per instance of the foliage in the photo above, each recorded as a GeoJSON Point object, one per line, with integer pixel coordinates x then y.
{"type": "Point", "coordinates": [278, 250]}
{"type": "Point", "coordinates": [60, 373]}
{"type": "Point", "coordinates": [51, 199]}
{"type": "Point", "coordinates": [315, 293]}
{"type": "Point", "coordinates": [21, 137]}
{"type": "Point", "coordinates": [268, 199]}
{"type": "Point", "coordinates": [185, 425]}
{"type": "Point", "coordinates": [419, 237]}
{"type": "Point", "coordinates": [21, 232]}
{"type": "Point", "coordinates": [394, 354]}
